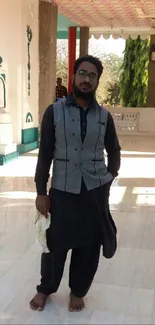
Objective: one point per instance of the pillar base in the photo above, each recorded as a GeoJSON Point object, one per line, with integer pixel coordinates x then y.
{"type": "Point", "coordinates": [30, 140]}
{"type": "Point", "coordinates": [4, 159]}
{"type": "Point", "coordinates": [8, 153]}
{"type": "Point", "coordinates": [23, 148]}
{"type": "Point", "coordinates": [8, 149]}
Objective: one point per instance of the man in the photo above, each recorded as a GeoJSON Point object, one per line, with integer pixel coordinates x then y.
{"type": "Point", "coordinates": [61, 91]}
{"type": "Point", "coordinates": [74, 134]}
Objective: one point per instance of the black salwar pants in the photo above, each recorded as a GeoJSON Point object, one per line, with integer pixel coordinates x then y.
{"type": "Point", "coordinates": [77, 223]}
{"type": "Point", "coordinates": [83, 266]}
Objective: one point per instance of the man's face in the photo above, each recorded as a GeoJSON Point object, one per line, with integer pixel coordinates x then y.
{"type": "Point", "coordinates": [85, 80]}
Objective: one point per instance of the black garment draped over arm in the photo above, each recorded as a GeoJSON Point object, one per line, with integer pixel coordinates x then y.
{"type": "Point", "coordinates": [46, 151]}
{"type": "Point", "coordinates": [112, 147]}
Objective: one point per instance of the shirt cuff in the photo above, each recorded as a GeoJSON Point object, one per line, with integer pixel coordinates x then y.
{"type": "Point", "coordinates": [41, 189]}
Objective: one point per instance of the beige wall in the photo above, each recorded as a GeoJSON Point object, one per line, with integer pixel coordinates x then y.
{"type": "Point", "coordinates": [30, 103]}
{"type": "Point", "coordinates": [142, 117]}
{"type": "Point", "coordinates": [135, 127]}
{"type": "Point", "coordinates": [14, 17]}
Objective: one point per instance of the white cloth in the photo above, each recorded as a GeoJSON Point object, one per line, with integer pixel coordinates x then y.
{"type": "Point", "coordinates": [42, 224]}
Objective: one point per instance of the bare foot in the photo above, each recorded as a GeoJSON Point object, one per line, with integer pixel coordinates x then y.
{"type": "Point", "coordinates": [38, 302]}
{"type": "Point", "coordinates": [76, 304]}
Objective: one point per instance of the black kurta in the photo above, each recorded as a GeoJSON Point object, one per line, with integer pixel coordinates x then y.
{"type": "Point", "coordinates": [77, 219]}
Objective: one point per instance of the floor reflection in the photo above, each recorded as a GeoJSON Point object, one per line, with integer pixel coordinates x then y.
{"type": "Point", "coordinates": [124, 287]}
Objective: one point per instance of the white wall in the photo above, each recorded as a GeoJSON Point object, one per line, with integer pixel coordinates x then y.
{"type": "Point", "coordinates": [30, 103]}
{"type": "Point", "coordinates": [15, 15]}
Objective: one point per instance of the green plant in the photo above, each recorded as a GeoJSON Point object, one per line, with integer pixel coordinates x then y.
{"type": "Point", "coordinates": [134, 77]}
{"type": "Point", "coordinates": [113, 94]}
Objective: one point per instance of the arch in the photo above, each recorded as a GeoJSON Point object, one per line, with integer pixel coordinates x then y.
{"type": "Point", "coordinates": [2, 91]}
{"type": "Point", "coordinates": [29, 118]}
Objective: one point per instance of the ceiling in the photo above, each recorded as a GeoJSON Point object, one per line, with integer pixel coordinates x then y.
{"type": "Point", "coordinates": [62, 27]}
{"type": "Point", "coordinates": [111, 17]}
{"type": "Point", "coordinates": [64, 22]}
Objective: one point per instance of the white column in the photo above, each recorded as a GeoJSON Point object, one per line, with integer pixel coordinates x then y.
{"type": "Point", "coordinates": [6, 135]}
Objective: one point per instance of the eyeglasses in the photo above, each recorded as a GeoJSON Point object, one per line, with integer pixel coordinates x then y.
{"type": "Point", "coordinates": [84, 73]}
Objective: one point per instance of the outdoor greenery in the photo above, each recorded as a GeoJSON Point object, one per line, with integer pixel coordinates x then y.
{"type": "Point", "coordinates": [134, 77]}
{"type": "Point", "coordinates": [124, 80]}
{"type": "Point", "coordinates": [108, 90]}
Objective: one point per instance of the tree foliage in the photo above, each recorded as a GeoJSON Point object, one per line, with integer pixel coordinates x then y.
{"type": "Point", "coordinates": [62, 61]}
{"type": "Point", "coordinates": [113, 97]}
{"type": "Point", "coordinates": [108, 90]}
{"type": "Point", "coordinates": [109, 81]}
{"type": "Point", "coordinates": [134, 77]}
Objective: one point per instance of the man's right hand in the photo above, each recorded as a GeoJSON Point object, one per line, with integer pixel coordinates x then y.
{"type": "Point", "coordinates": [43, 204]}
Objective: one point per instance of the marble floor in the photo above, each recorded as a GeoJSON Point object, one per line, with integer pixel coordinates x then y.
{"type": "Point", "coordinates": [123, 291]}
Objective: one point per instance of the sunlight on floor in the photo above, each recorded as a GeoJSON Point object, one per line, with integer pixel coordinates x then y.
{"type": "Point", "coordinates": [117, 194]}
{"type": "Point", "coordinates": [137, 153]}
{"type": "Point", "coordinates": [123, 291]}
{"type": "Point", "coordinates": [145, 200]}
{"type": "Point", "coordinates": [145, 195]}
{"type": "Point", "coordinates": [144, 190]}
{"type": "Point", "coordinates": [18, 195]}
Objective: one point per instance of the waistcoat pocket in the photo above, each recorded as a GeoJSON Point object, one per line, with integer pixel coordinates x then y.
{"type": "Point", "coordinates": [63, 160]}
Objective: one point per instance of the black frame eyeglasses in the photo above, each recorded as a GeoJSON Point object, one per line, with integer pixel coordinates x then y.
{"type": "Point", "coordinates": [84, 73]}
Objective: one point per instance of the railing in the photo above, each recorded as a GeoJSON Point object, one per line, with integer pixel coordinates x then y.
{"type": "Point", "coordinates": [135, 127]}
{"type": "Point", "coordinates": [126, 122]}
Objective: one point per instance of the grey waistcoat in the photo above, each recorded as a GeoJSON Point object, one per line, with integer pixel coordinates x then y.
{"type": "Point", "coordinates": [74, 159]}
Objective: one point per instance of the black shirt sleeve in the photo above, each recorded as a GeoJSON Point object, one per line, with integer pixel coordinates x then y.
{"type": "Point", "coordinates": [46, 151]}
{"type": "Point", "coordinates": [65, 91]}
{"type": "Point", "coordinates": [112, 147]}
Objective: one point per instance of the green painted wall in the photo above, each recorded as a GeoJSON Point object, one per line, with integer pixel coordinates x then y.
{"type": "Point", "coordinates": [64, 23]}
{"type": "Point", "coordinates": [29, 135]}
{"type": "Point", "coordinates": [30, 140]}
{"type": "Point", "coordinates": [62, 28]}
{"type": "Point", "coordinates": [64, 35]}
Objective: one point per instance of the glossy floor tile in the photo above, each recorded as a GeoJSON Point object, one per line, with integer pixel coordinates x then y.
{"type": "Point", "coordinates": [123, 291]}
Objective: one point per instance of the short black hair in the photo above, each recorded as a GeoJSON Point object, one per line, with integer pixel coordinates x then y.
{"type": "Point", "coordinates": [91, 59]}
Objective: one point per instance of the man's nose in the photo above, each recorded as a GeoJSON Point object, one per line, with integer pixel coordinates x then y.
{"type": "Point", "coordinates": [87, 78]}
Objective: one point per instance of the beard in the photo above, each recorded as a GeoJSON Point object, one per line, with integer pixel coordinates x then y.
{"type": "Point", "coordinates": [88, 96]}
